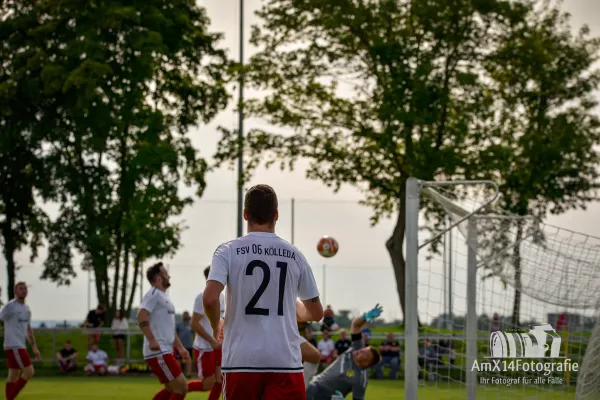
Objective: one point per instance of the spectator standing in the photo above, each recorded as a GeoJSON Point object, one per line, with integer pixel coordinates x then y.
{"type": "Point", "coordinates": [327, 349]}
{"type": "Point", "coordinates": [328, 324]}
{"type": "Point", "coordinates": [98, 361]}
{"type": "Point", "coordinates": [67, 358]}
{"type": "Point", "coordinates": [93, 321]}
{"type": "Point", "coordinates": [390, 355]}
{"type": "Point", "coordinates": [343, 343]}
{"type": "Point", "coordinates": [119, 327]}
{"type": "Point", "coordinates": [186, 335]}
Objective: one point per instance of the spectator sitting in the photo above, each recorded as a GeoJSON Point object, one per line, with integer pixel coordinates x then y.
{"type": "Point", "coordinates": [98, 361]}
{"type": "Point", "coordinates": [495, 323]}
{"type": "Point", "coordinates": [308, 335]}
{"type": "Point", "coordinates": [423, 356]}
{"type": "Point", "coordinates": [428, 355]}
{"type": "Point", "coordinates": [390, 354]}
{"type": "Point", "coordinates": [366, 339]}
{"type": "Point", "coordinates": [327, 349]}
{"type": "Point", "coordinates": [452, 353]}
{"type": "Point", "coordinates": [185, 333]}
{"type": "Point", "coordinates": [343, 342]}
{"type": "Point", "coordinates": [367, 329]}
{"type": "Point", "coordinates": [328, 321]}
{"type": "Point", "coordinates": [120, 326]}
{"type": "Point", "coordinates": [67, 358]}
{"type": "Point", "coordinates": [94, 320]}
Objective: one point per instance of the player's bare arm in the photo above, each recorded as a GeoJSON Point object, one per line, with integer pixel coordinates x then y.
{"type": "Point", "coordinates": [309, 310]}
{"type": "Point", "coordinates": [200, 331]}
{"type": "Point", "coordinates": [31, 339]}
{"type": "Point", "coordinates": [212, 305]}
{"type": "Point", "coordinates": [310, 353]}
{"type": "Point", "coordinates": [143, 318]}
{"type": "Point", "coordinates": [181, 349]}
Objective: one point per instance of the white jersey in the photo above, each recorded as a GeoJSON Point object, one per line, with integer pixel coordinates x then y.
{"type": "Point", "coordinates": [199, 342]}
{"type": "Point", "coordinates": [263, 275]}
{"type": "Point", "coordinates": [162, 321]}
{"type": "Point", "coordinates": [16, 318]}
{"type": "Point", "coordinates": [98, 357]}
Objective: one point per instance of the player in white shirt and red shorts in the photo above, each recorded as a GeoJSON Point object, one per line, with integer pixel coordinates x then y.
{"type": "Point", "coordinates": [156, 318]}
{"type": "Point", "coordinates": [264, 276]}
{"type": "Point", "coordinates": [207, 350]}
{"type": "Point", "coordinates": [16, 317]}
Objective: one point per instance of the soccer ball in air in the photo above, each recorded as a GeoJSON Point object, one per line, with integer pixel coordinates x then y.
{"type": "Point", "coordinates": [327, 246]}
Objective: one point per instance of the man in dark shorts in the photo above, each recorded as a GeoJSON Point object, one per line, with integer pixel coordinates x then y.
{"type": "Point", "coordinates": [94, 321]}
{"type": "Point", "coordinates": [186, 336]}
{"type": "Point", "coordinates": [349, 372]}
{"type": "Point", "coordinates": [67, 358]}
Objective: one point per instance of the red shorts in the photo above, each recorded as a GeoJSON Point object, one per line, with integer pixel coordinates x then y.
{"type": "Point", "coordinates": [264, 385]}
{"type": "Point", "coordinates": [327, 359]}
{"type": "Point", "coordinates": [207, 362]}
{"type": "Point", "coordinates": [165, 367]}
{"type": "Point", "coordinates": [97, 368]}
{"type": "Point", "coordinates": [17, 358]}
{"type": "Point", "coordinates": [94, 334]}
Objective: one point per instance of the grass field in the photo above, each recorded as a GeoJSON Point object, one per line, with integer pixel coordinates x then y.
{"type": "Point", "coordinates": [142, 388]}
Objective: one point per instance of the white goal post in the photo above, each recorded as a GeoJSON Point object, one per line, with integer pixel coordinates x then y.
{"type": "Point", "coordinates": [513, 267]}
{"type": "Point", "coordinates": [411, 320]}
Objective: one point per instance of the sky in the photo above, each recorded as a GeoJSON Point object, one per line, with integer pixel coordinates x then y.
{"type": "Point", "coordinates": [359, 276]}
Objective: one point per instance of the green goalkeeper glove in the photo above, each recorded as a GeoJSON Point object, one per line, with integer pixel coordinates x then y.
{"type": "Point", "coordinates": [372, 315]}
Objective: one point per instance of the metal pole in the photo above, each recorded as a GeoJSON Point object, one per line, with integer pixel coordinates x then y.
{"type": "Point", "coordinates": [89, 291]}
{"type": "Point", "coordinates": [293, 218]}
{"type": "Point", "coordinates": [443, 323]}
{"type": "Point", "coordinates": [141, 284]}
{"type": "Point", "coordinates": [450, 308]}
{"type": "Point", "coordinates": [325, 284]}
{"type": "Point", "coordinates": [471, 321]}
{"type": "Point", "coordinates": [240, 210]}
{"type": "Point", "coordinates": [128, 353]}
{"type": "Point", "coordinates": [411, 320]}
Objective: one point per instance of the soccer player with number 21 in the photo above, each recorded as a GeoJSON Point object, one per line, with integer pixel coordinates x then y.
{"type": "Point", "coordinates": [264, 276]}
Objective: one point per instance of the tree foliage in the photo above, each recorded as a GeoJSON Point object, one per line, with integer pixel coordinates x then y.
{"type": "Point", "coordinates": [123, 85]}
{"type": "Point", "coordinates": [24, 174]}
{"type": "Point", "coordinates": [542, 151]}
{"type": "Point", "coordinates": [373, 92]}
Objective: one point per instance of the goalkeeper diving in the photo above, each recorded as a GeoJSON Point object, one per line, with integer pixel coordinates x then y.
{"type": "Point", "coordinates": [349, 372]}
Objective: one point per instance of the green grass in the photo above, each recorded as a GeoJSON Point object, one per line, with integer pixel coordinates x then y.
{"type": "Point", "coordinates": [143, 388]}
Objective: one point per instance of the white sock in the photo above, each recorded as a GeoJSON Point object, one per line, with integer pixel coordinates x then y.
{"type": "Point", "coordinates": [310, 370]}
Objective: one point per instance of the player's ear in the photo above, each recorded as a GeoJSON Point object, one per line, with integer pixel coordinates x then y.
{"type": "Point", "coordinates": [245, 215]}
{"type": "Point", "coordinates": [276, 216]}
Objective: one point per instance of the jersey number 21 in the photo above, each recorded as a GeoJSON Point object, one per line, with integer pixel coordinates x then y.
{"type": "Point", "coordinates": [251, 308]}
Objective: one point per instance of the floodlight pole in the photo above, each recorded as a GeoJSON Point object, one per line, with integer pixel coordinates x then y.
{"type": "Point", "coordinates": [293, 218]}
{"type": "Point", "coordinates": [325, 284]}
{"type": "Point", "coordinates": [450, 308]}
{"type": "Point", "coordinates": [240, 209]}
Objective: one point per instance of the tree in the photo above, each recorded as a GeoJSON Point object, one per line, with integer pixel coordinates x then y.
{"type": "Point", "coordinates": [545, 154]}
{"type": "Point", "coordinates": [372, 92]}
{"type": "Point", "coordinates": [24, 174]}
{"type": "Point", "coordinates": [123, 86]}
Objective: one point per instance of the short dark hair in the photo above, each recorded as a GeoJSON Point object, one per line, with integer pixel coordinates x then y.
{"type": "Point", "coordinates": [153, 271]}
{"type": "Point", "coordinates": [376, 356]}
{"type": "Point", "coordinates": [101, 307]}
{"type": "Point", "coordinates": [206, 271]}
{"type": "Point", "coordinates": [261, 204]}
{"type": "Point", "coordinates": [68, 342]}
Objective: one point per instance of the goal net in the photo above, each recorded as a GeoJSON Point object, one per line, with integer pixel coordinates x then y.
{"type": "Point", "coordinates": [507, 305]}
